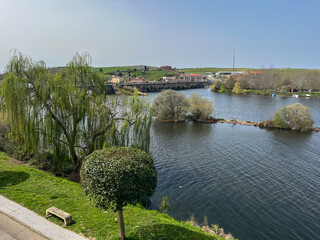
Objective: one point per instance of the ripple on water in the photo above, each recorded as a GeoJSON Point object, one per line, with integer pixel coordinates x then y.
{"type": "Point", "coordinates": [255, 183]}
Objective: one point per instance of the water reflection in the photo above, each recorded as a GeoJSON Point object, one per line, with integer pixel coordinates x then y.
{"type": "Point", "coordinates": [190, 128]}
{"type": "Point", "coordinates": [256, 183]}
{"type": "Point", "coordinates": [251, 107]}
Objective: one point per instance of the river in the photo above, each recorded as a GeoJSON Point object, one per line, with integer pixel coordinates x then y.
{"type": "Point", "coordinates": [257, 184]}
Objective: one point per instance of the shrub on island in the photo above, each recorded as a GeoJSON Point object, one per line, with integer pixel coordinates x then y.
{"type": "Point", "coordinates": [296, 117]}
{"type": "Point", "coordinates": [170, 105]}
{"type": "Point", "coordinates": [200, 108]}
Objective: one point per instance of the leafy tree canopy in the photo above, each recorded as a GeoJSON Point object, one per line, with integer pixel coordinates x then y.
{"type": "Point", "coordinates": [69, 113]}
{"type": "Point", "coordinates": [200, 108]}
{"type": "Point", "coordinates": [223, 89]}
{"type": "Point", "coordinates": [170, 105]}
{"type": "Point", "coordinates": [215, 86]}
{"type": "Point", "coordinates": [237, 89]}
{"type": "Point", "coordinates": [115, 177]}
{"type": "Point", "coordinates": [296, 117]}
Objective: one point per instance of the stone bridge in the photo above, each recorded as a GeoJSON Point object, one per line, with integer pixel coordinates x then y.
{"type": "Point", "coordinates": [159, 86]}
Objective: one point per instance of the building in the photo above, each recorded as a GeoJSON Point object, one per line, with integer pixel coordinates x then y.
{"type": "Point", "coordinates": [139, 80]}
{"type": "Point", "coordinates": [229, 73]}
{"type": "Point", "coordinates": [169, 78]}
{"type": "Point", "coordinates": [143, 68]}
{"type": "Point", "coordinates": [192, 77]}
{"type": "Point", "coordinates": [115, 79]}
{"type": "Point", "coordinates": [210, 75]}
{"type": "Point", "coordinates": [166, 68]}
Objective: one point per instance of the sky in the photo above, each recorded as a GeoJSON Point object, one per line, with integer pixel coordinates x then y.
{"type": "Point", "coordinates": [180, 33]}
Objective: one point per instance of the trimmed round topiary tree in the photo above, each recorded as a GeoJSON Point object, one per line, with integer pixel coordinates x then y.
{"type": "Point", "coordinates": [117, 176]}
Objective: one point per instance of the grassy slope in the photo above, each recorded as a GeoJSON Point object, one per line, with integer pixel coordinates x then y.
{"type": "Point", "coordinates": [114, 69]}
{"type": "Point", "coordinates": [214, 70]}
{"type": "Point", "coordinates": [39, 190]}
{"type": "Point", "coordinates": [153, 75]}
{"type": "Point", "coordinates": [157, 74]}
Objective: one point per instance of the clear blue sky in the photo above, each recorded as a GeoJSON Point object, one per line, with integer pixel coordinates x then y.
{"type": "Point", "coordinates": [181, 33]}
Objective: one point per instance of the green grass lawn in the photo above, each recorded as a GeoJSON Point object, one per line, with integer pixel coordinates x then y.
{"type": "Point", "coordinates": [114, 69]}
{"type": "Point", "coordinates": [157, 74]}
{"type": "Point", "coordinates": [213, 70]}
{"type": "Point", "coordinates": [153, 75]}
{"type": "Point", "coordinates": [204, 70]}
{"type": "Point", "coordinates": [38, 190]}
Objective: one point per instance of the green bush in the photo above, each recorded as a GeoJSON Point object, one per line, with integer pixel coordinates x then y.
{"type": "Point", "coordinates": [44, 161]}
{"type": "Point", "coordinates": [244, 84]}
{"type": "Point", "coordinates": [295, 117]}
{"type": "Point", "coordinates": [200, 108]}
{"type": "Point", "coordinates": [164, 205]}
{"type": "Point", "coordinates": [279, 119]}
{"type": "Point", "coordinates": [223, 89]}
{"type": "Point", "coordinates": [170, 105]}
{"type": "Point", "coordinates": [118, 176]}
{"type": "Point", "coordinates": [129, 89]}
{"type": "Point", "coordinates": [9, 146]}
{"type": "Point", "coordinates": [4, 130]}
{"type": "Point", "coordinates": [215, 86]}
{"type": "Point", "coordinates": [229, 83]}
{"type": "Point", "coordinates": [237, 89]}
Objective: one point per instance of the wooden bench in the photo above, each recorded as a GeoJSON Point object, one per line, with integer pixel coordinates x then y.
{"type": "Point", "coordinates": [59, 213]}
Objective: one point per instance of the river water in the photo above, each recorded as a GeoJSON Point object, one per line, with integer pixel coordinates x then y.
{"type": "Point", "coordinates": [255, 183]}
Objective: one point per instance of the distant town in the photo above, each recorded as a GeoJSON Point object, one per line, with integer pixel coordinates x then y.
{"type": "Point", "coordinates": [144, 74]}
{"type": "Point", "coordinates": [257, 81]}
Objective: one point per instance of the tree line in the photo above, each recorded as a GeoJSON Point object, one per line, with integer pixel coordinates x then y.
{"type": "Point", "coordinates": [68, 114]}
{"type": "Point", "coordinates": [273, 79]}
{"type": "Point", "coordinates": [173, 106]}
{"type": "Point", "coordinates": [303, 80]}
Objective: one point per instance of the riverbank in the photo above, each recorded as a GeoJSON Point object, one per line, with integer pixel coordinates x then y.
{"type": "Point", "coordinates": [241, 169]}
{"type": "Point", "coordinates": [271, 92]}
{"type": "Point", "coordinates": [283, 94]}
{"type": "Point", "coordinates": [38, 190]}
{"type": "Point", "coordinates": [262, 124]}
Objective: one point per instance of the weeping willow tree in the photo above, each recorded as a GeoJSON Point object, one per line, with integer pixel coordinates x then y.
{"type": "Point", "coordinates": [69, 113]}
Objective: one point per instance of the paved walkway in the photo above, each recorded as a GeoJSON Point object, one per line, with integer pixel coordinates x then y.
{"type": "Point", "coordinates": [18, 222]}
{"type": "Point", "coordinates": [13, 230]}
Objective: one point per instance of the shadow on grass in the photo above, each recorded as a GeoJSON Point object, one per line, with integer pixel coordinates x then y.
{"type": "Point", "coordinates": [167, 232]}
{"type": "Point", "coordinates": [10, 178]}
{"type": "Point", "coordinates": [59, 221]}
{"type": "Point", "coordinates": [42, 192]}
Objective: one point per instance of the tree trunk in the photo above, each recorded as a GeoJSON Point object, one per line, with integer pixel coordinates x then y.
{"type": "Point", "coordinates": [121, 225]}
